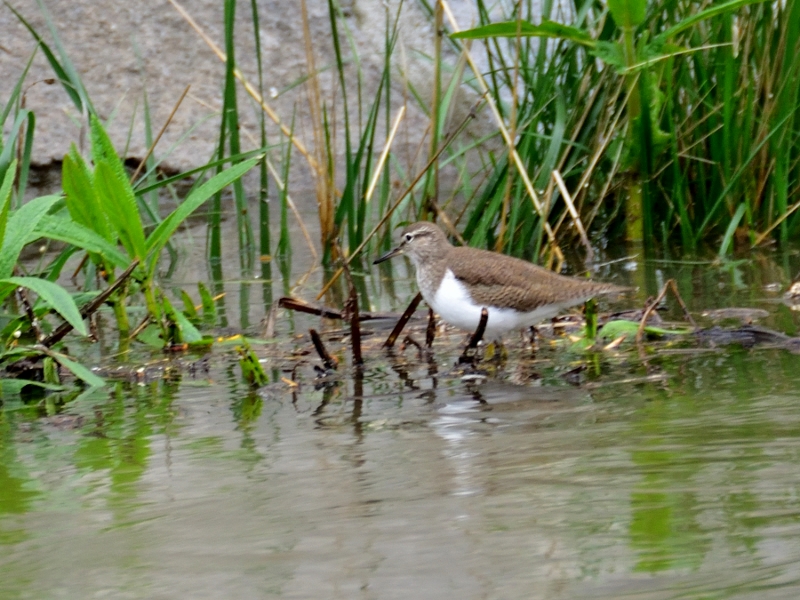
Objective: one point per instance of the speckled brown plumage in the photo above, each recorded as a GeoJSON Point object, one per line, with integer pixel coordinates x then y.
{"type": "Point", "coordinates": [507, 282]}
{"type": "Point", "coordinates": [490, 280]}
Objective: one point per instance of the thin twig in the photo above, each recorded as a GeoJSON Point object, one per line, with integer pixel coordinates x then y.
{"type": "Point", "coordinates": [90, 307]}
{"type": "Point", "coordinates": [350, 314]}
{"type": "Point", "coordinates": [669, 285]}
{"type": "Point", "coordinates": [160, 133]}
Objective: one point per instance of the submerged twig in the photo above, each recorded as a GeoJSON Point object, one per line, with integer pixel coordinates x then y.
{"type": "Point", "coordinates": [329, 362]}
{"type": "Point", "coordinates": [298, 305]}
{"type": "Point", "coordinates": [401, 323]}
{"type": "Point", "coordinates": [350, 314]}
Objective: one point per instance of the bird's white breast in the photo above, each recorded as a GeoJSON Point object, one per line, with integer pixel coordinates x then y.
{"type": "Point", "coordinates": [455, 306]}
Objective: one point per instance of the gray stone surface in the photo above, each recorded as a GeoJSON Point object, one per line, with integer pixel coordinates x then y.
{"type": "Point", "coordinates": [124, 49]}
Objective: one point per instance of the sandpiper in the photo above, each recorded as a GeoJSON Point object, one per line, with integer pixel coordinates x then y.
{"type": "Point", "coordinates": [458, 281]}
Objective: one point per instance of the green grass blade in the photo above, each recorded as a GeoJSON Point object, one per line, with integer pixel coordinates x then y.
{"type": "Point", "coordinates": [727, 240]}
{"type": "Point", "coordinates": [547, 29]}
{"type": "Point", "coordinates": [74, 88]}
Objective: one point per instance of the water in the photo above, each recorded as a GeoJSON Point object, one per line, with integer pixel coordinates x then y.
{"type": "Point", "coordinates": [677, 477]}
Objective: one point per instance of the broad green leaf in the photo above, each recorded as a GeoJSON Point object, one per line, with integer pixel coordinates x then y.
{"type": "Point", "coordinates": [189, 333]}
{"type": "Point", "coordinates": [209, 306]}
{"type": "Point", "coordinates": [20, 225]}
{"type": "Point", "coordinates": [116, 197]}
{"type": "Point", "coordinates": [252, 369]}
{"type": "Point", "coordinates": [614, 329]}
{"type": "Point", "coordinates": [165, 229]}
{"type": "Point", "coordinates": [547, 29]}
{"type": "Point", "coordinates": [64, 230]}
{"type": "Point", "coordinates": [56, 296]}
{"type": "Point", "coordinates": [628, 14]}
{"type": "Point", "coordinates": [78, 370]}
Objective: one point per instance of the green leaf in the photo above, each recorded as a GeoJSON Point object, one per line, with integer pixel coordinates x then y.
{"type": "Point", "coordinates": [209, 306]}
{"type": "Point", "coordinates": [189, 333]}
{"type": "Point", "coordinates": [19, 227]}
{"type": "Point", "coordinates": [727, 239]}
{"type": "Point", "coordinates": [252, 369]}
{"type": "Point", "coordinates": [78, 370]}
{"type": "Point", "coordinates": [160, 236]}
{"type": "Point", "coordinates": [72, 87]}
{"type": "Point", "coordinates": [547, 29]}
{"type": "Point", "coordinates": [715, 10]}
{"type": "Point", "coordinates": [103, 150]}
{"type": "Point", "coordinates": [119, 203]}
{"type": "Point", "coordinates": [5, 198]}
{"type": "Point", "coordinates": [614, 329]}
{"type": "Point", "coordinates": [628, 14]}
{"type": "Point", "coordinates": [612, 54]}
{"type": "Point", "coordinates": [70, 232]}
{"type": "Point", "coordinates": [188, 307]}
{"type": "Point", "coordinates": [81, 196]}
{"type": "Point", "coordinates": [7, 152]}
{"type": "Point", "coordinates": [55, 295]}
{"type": "Point", "coordinates": [14, 387]}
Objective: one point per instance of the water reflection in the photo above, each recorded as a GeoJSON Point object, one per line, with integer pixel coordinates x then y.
{"type": "Point", "coordinates": [414, 477]}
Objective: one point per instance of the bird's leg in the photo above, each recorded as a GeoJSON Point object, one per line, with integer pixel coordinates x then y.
{"type": "Point", "coordinates": [532, 333]}
{"type": "Point", "coordinates": [475, 339]}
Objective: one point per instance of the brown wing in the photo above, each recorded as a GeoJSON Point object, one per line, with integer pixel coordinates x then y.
{"type": "Point", "coordinates": [509, 282]}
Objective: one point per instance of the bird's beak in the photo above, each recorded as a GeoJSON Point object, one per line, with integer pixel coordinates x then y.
{"type": "Point", "coordinates": [388, 255]}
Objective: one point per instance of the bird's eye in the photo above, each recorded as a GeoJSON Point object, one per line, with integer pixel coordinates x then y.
{"type": "Point", "coordinates": [409, 237]}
